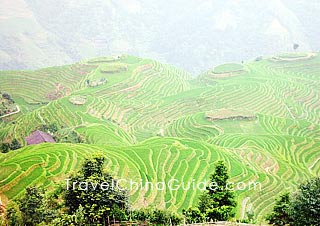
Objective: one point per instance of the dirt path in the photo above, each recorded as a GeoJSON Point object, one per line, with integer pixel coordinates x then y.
{"type": "Point", "coordinates": [12, 113]}
{"type": "Point", "coordinates": [243, 206]}
{"type": "Point", "coordinates": [315, 162]}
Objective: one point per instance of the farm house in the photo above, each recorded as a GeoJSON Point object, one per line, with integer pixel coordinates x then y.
{"type": "Point", "coordinates": [38, 137]}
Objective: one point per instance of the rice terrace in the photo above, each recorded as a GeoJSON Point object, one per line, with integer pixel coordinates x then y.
{"type": "Point", "coordinates": [154, 122]}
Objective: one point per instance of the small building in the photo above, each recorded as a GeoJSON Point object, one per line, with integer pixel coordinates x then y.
{"type": "Point", "coordinates": [38, 137]}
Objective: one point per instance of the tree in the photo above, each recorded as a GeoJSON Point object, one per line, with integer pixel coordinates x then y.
{"type": "Point", "coordinates": [280, 214]}
{"type": "Point", "coordinates": [295, 46]}
{"type": "Point", "coordinates": [303, 208]}
{"type": "Point", "coordinates": [31, 206]}
{"type": "Point", "coordinates": [13, 215]}
{"type": "Point", "coordinates": [193, 215]}
{"type": "Point", "coordinates": [5, 147]}
{"type": "Point", "coordinates": [32, 209]}
{"type": "Point", "coordinates": [99, 203]}
{"type": "Point", "coordinates": [15, 144]}
{"type": "Point", "coordinates": [71, 137]}
{"type": "Point", "coordinates": [305, 205]}
{"type": "Point", "coordinates": [73, 206]}
{"type": "Point", "coordinates": [217, 202]}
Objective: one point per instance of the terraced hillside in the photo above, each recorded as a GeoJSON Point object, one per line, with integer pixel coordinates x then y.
{"type": "Point", "coordinates": [155, 122]}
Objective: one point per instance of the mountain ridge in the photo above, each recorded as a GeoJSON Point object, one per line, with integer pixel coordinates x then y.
{"type": "Point", "coordinates": [37, 34]}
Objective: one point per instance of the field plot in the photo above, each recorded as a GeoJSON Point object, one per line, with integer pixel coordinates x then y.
{"type": "Point", "coordinates": [155, 122]}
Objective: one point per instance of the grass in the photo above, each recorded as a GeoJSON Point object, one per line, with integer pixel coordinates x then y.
{"type": "Point", "coordinates": [113, 68]}
{"type": "Point", "coordinates": [292, 55]}
{"type": "Point", "coordinates": [230, 67]}
{"type": "Point", "coordinates": [123, 119]}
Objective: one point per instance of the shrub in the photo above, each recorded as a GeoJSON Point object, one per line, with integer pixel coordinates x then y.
{"type": "Point", "coordinates": [15, 145]}
{"type": "Point", "coordinates": [305, 204]}
{"type": "Point", "coordinates": [193, 215]}
{"type": "Point", "coordinates": [156, 216]}
{"type": "Point", "coordinates": [13, 215]}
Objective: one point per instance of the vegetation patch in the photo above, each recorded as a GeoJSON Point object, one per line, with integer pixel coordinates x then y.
{"type": "Point", "coordinates": [227, 114]}
{"type": "Point", "coordinates": [104, 59]}
{"type": "Point", "coordinates": [78, 100]}
{"type": "Point", "coordinates": [7, 105]}
{"type": "Point", "coordinates": [97, 82]}
{"type": "Point", "coordinates": [113, 68]}
{"type": "Point", "coordinates": [59, 92]}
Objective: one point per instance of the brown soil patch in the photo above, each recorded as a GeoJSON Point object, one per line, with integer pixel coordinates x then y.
{"type": "Point", "coordinates": [59, 92]}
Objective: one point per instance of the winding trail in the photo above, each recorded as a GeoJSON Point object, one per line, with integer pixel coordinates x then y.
{"type": "Point", "coordinates": [315, 162]}
{"type": "Point", "coordinates": [243, 206]}
{"type": "Point", "coordinates": [12, 113]}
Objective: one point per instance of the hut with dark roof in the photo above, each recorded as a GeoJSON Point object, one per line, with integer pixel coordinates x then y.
{"type": "Point", "coordinates": [38, 137]}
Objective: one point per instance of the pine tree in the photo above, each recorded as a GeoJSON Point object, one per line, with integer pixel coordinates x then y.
{"type": "Point", "coordinates": [96, 202]}
{"type": "Point", "coordinates": [280, 214]}
{"type": "Point", "coordinates": [217, 202]}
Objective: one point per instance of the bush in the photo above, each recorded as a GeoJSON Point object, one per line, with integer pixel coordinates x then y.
{"type": "Point", "coordinates": [5, 147]}
{"type": "Point", "coordinates": [70, 137]}
{"type": "Point", "coordinates": [305, 204]}
{"type": "Point", "coordinates": [156, 216]}
{"type": "Point", "coordinates": [73, 206]}
{"type": "Point", "coordinates": [51, 128]}
{"type": "Point", "coordinates": [15, 145]}
{"type": "Point", "coordinates": [31, 206]}
{"type": "Point", "coordinates": [13, 215]}
{"type": "Point", "coordinates": [193, 215]}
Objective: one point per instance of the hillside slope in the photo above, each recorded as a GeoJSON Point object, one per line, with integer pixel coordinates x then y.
{"type": "Point", "coordinates": [154, 121]}
{"type": "Point", "coordinates": [193, 35]}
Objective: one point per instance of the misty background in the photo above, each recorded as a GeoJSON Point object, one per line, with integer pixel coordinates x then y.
{"type": "Point", "coordinates": [194, 35]}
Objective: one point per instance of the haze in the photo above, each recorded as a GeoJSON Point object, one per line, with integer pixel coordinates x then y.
{"type": "Point", "coordinates": [194, 35]}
